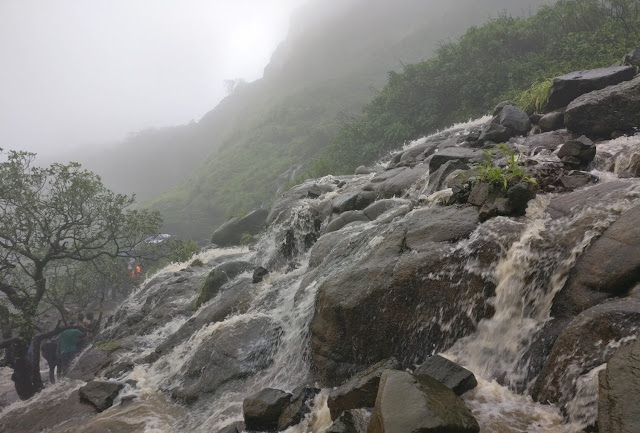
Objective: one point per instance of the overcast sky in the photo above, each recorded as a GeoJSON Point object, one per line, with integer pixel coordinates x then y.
{"type": "Point", "coordinates": [78, 72]}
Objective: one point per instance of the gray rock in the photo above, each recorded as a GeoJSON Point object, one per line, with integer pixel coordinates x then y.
{"type": "Point", "coordinates": [301, 400]}
{"type": "Point", "coordinates": [262, 410]}
{"type": "Point", "coordinates": [552, 121]}
{"type": "Point", "coordinates": [582, 346]}
{"type": "Point", "coordinates": [258, 274]}
{"type": "Point", "coordinates": [236, 427]}
{"type": "Point", "coordinates": [578, 152]}
{"type": "Point", "coordinates": [361, 390]}
{"type": "Point", "coordinates": [419, 152]}
{"type": "Point", "coordinates": [219, 276]}
{"type": "Point", "coordinates": [231, 232]}
{"type": "Point", "coordinates": [350, 421]}
{"type": "Point", "coordinates": [515, 120]}
{"type": "Point", "coordinates": [627, 162]}
{"type": "Point", "coordinates": [346, 218]}
{"type": "Point", "coordinates": [100, 394]}
{"type": "Point", "coordinates": [281, 209]}
{"type": "Point", "coordinates": [568, 87]}
{"type": "Point", "coordinates": [362, 170]}
{"type": "Point", "coordinates": [618, 410]}
{"type": "Point", "coordinates": [408, 403]}
{"type": "Point", "coordinates": [610, 266]}
{"type": "Point", "coordinates": [232, 352]}
{"type": "Point", "coordinates": [577, 179]}
{"type": "Point", "coordinates": [547, 141]}
{"type": "Point", "coordinates": [438, 178]}
{"type": "Point", "coordinates": [453, 376]}
{"type": "Point", "coordinates": [602, 112]}
{"type": "Point", "coordinates": [633, 58]}
{"type": "Point", "coordinates": [566, 205]}
{"type": "Point", "coordinates": [379, 207]}
{"type": "Point", "coordinates": [498, 108]}
{"type": "Point", "coordinates": [354, 200]}
{"type": "Point", "coordinates": [462, 154]}
{"type": "Point", "coordinates": [438, 224]}
{"type": "Point", "coordinates": [396, 182]}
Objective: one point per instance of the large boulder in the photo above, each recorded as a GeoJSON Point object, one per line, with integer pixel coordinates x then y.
{"type": "Point", "coordinates": [388, 289]}
{"type": "Point", "coordinates": [96, 359]}
{"type": "Point", "coordinates": [547, 141]}
{"type": "Point", "coordinates": [609, 267]}
{"type": "Point", "coordinates": [346, 218]}
{"type": "Point", "coordinates": [453, 376]}
{"type": "Point", "coordinates": [408, 403]}
{"type": "Point", "coordinates": [262, 410]}
{"type": "Point", "coordinates": [218, 277]}
{"type": "Point", "coordinates": [601, 112]}
{"type": "Point", "coordinates": [618, 410]}
{"type": "Point", "coordinates": [396, 182]}
{"type": "Point", "coordinates": [361, 390]}
{"type": "Point", "coordinates": [586, 343]}
{"type": "Point", "coordinates": [100, 394]}
{"type": "Point", "coordinates": [231, 232]}
{"type": "Point", "coordinates": [515, 120]}
{"type": "Point", "coordinates": [551, 121]}
{"type": "Point", "coordinates": [283, 207]}
{"type": "Point", "coordinates": [353, 200]}
{"type": "Point", "coordinates": [232, 352]}
{"type": "Point", "coordinates": [568, 87]}
{"type": "Point", "coordinates": [577, 153]}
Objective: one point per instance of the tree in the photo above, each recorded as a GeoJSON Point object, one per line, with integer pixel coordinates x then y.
{"type": "Point", "coordinates": [59, 215]}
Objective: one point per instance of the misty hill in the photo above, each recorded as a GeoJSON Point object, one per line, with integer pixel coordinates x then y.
{"type": "Point", "coordinates": [266, 132]}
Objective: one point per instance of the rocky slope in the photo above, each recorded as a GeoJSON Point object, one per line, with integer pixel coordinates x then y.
{"type": "Point", "coordinates": [449, 247]}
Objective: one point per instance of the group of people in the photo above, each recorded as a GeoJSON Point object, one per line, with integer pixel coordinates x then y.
{"type": "Point", "coordinates": [60, 351]}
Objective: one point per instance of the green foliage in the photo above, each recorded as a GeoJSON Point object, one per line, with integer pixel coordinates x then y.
{"type": "Point", "coordinates": [196, 263]}
{"type": "Point", "coordinates": [503, 177]}
{"type": "Point", "coordinates": [246, 239]}
{"type": "Point", "coordinates": [58, 226]}
{"type": "Point", "coordinates": [108, 346]}
{"type": "Point", "coordinates": [534, 98]}
{"type": "Point", "coordinates": [496, 61]}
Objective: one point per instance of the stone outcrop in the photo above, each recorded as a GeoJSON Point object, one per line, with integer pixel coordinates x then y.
{"type": "Point", "coordinates": [219, 276]}
{"type": "Point", "coordinates": [568, 87]}
{"type": "Point", "coordinates": [408, 403]}
{"type": "Point", "coordinates": [231, 232]}
{"type": "Point", "coordinates": [602, 112]}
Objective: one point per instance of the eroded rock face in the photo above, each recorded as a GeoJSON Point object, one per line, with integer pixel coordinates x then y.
{"type": "Point", "coordinates": [568, 87]}
{"type": "Point", "coordinates": [619, 393]}
{"type": "Point", "coordinates": [586, 343]}
{"type": "Point", "coordinates": [601, 112]}
{"type": "Point", "coordinates": [408, 403]}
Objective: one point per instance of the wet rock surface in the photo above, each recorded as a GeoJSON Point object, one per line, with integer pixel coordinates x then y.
{"type": "Point", "coordinates": [453, 376]}
{"type": "Point", "coordinates": [301, 403]}
{"type": "Point", "coordinates": [231, 232]}
{"type": "Point", "coordinates": [619, 392]}
{"type": "Point", "coordinates": [568, 87]}
{"type": "Point", "coordinates": [350, 421]}
{"type": "Point", "coordinates": [262, 410]}
{"type": "Point", "coordinates": [100, 394]}
{"type": "Point", "coordinates": [418, 403]}
{"type": "Point", "coordinates": [361, 390]}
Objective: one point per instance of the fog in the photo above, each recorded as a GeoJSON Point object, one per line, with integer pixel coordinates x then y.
{"type": "Point", "coordinates": [79, 72]}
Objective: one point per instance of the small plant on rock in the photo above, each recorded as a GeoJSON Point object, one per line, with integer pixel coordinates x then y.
{"type": "Point", "coordinates": [503, 177]}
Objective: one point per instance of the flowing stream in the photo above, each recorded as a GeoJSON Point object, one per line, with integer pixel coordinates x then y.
{"type": "Point", "coordinates": [537, 254]}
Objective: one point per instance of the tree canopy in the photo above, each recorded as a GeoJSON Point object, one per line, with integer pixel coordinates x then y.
{"type": "Point", "coordinates": [52, 217]}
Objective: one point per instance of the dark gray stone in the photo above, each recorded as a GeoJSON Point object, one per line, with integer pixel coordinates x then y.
{"type": "Point", "coordinates": [262, 410]}
{"type": "Point", "coordinates": [462, 154]}
{"type": "Point", "coordinates": [547, 141]}
{"type": "Point", "coordinates": [350, 421]}
{"type": "Point", "coordinates": [258, 274]}
{"type": "Point", "coordinates": [360, 391]}
{"type": "Point", "coordinates": [568, 87]}
{"type": "Point", "coordinates": [219, 276]}
{"type": "Point", "coordinates": [515, 120]}
{"type": "Point", "coordinates": [498, 108]}
{"type": "Point", "coordinates": [453, 376]}
{"type": "Point", "coordinates": [354, 200]}
{"type": "Point", "coordinates": [100, 394]}
{"type": "Point", "coordinates": [396, 182]}
{"type": "Point", "coordinates": [603, 112]}
{"type": "Point", "coordinates": [551, 121]}
{"type": "Point", "coordinates": [301, 400]}
{"type": "Point", "coordinates": [577, 179]}
{"type": "Point", "coordinates": [618, 410]}
{"type": "Point", "coordinates": [236, 427]}
{"type": "Point", "coordinates": [231, 232]}
{"type": "Point", "coordinates": [379, 207]}
{"type": "Point", "coordinates": [408, 403]}
{"type": "Point", "coordinates": [633, 58]}
{"type": "Point", "coordinates": [438, 178]}
{"type": "Point", "coordinates": [580, 151]}
{"type": "Point", "coordinates": [346, 218]}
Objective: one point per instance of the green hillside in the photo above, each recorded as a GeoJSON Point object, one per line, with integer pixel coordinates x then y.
{"type": "Point", "coordinates": [266, 133]}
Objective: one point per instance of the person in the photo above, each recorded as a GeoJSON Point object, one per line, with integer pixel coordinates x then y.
{"type": "Point", "coordinates": [88, 320]}
{"type": "Point", "coordinates": [50, 354]}
{"type": "Point", "coordinates": [68, 348]}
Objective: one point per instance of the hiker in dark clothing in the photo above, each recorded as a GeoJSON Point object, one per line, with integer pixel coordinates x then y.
{"type": "Point", "coordinates": [49, 351]}
{"type": "Point", "coordinates": [68, 348]}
